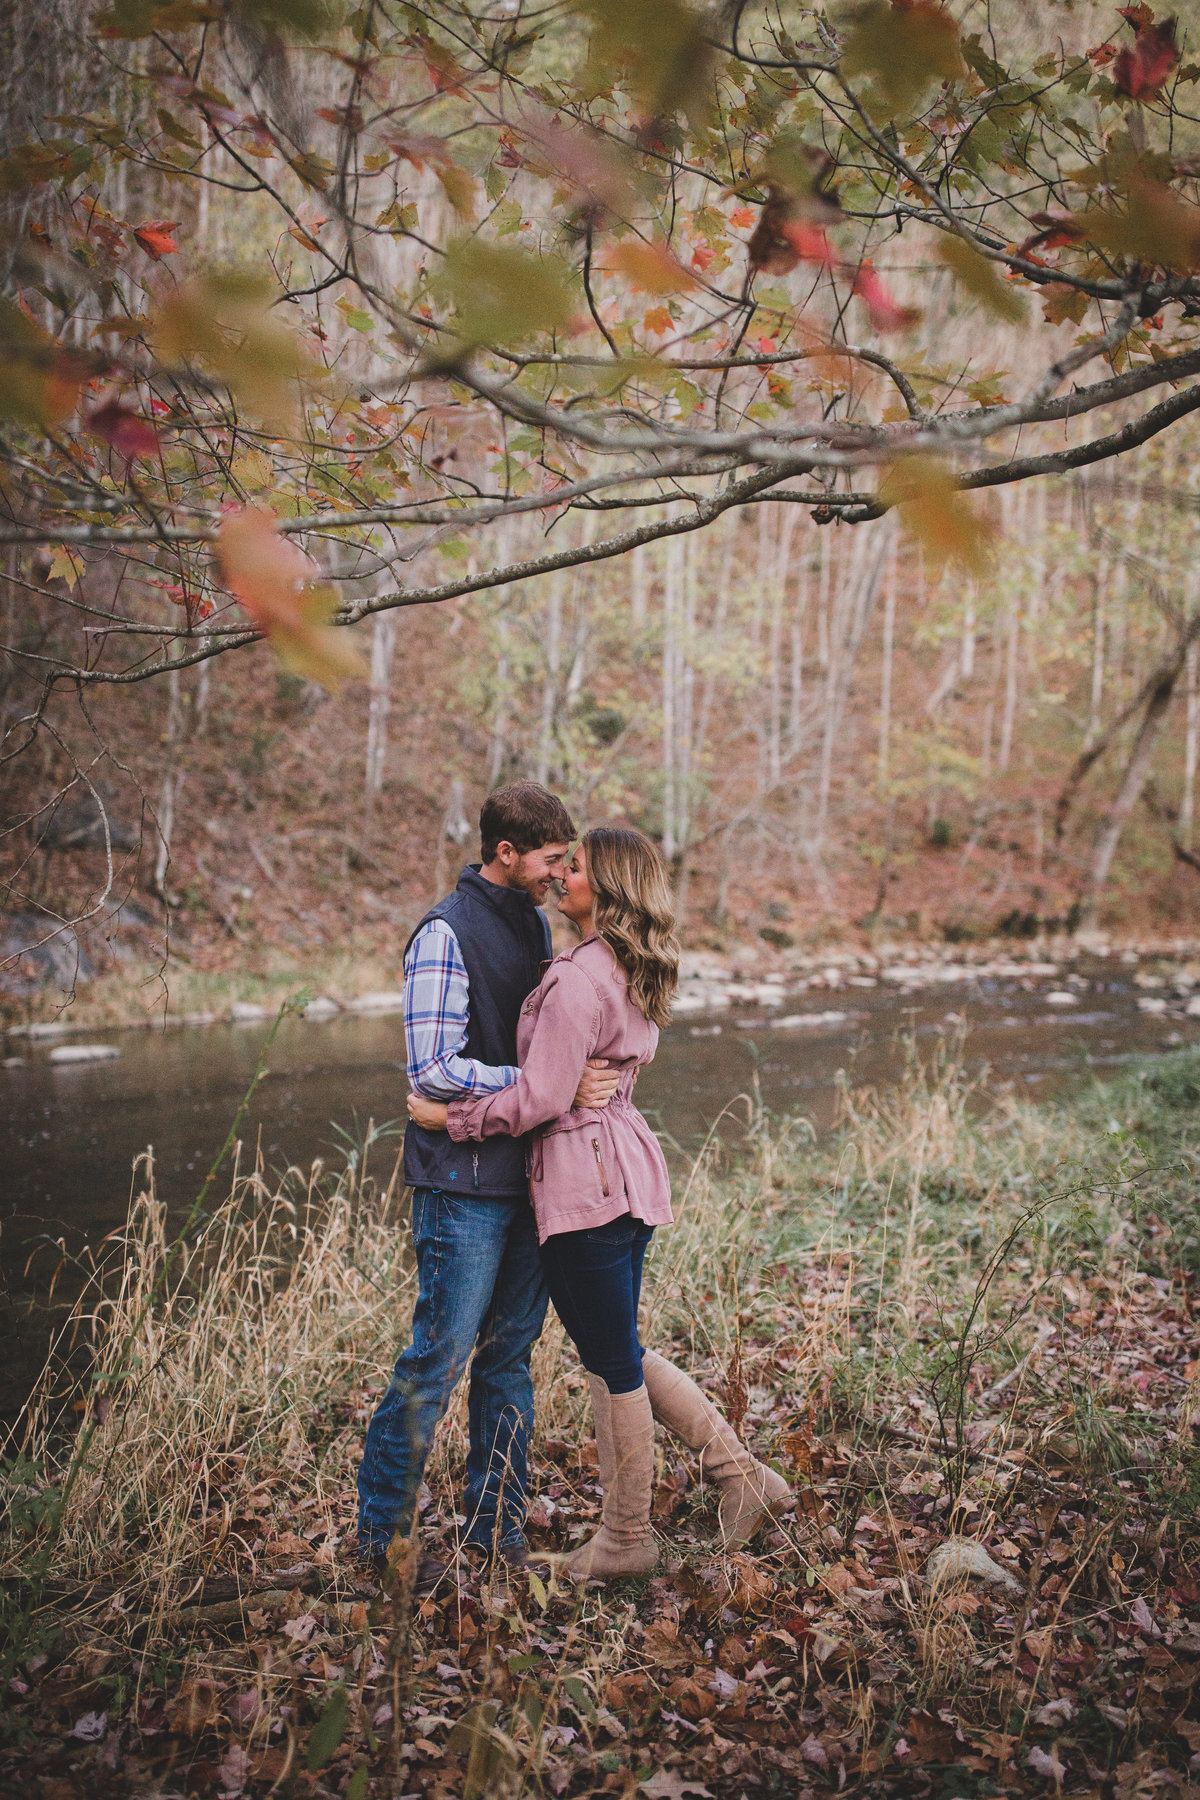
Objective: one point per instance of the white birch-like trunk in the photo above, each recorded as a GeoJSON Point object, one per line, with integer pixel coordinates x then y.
{"type": "Point", "coordinates": [885, 674]}
{"type": "Point", "coordinates": [383, 644]}
{"type": "Point", "coordinates": [1191, 746]}
{"type": "Point", "coordinates": [553, 650]}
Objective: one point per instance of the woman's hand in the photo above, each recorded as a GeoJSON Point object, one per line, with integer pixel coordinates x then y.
{"type": "Point", "coordinates": [429, 1113]}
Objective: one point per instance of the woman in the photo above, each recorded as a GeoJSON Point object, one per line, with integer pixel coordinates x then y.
{"type": "Point", "coordinates": [599, 1186]}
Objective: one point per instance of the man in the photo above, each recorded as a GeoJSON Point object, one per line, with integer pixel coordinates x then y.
{"type": "Point", "coordinates": [469, 966]}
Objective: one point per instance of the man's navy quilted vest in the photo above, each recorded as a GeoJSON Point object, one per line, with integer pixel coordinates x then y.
{"type": "Point", "coordinates": [505, 943]}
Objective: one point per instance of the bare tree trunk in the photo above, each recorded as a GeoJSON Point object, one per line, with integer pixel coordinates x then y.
{"type": "Point", "coordinates": [639, 586]}
{"type": "Point", "coordinates": [1096, 702]}
{"type": "Point", "coordinates": [1010, 680]}
{"type": "Point", "coordinates": [1187, 810]}
{"type": "Point", "coordinates": [383, 644]}
{"type": "Point", "coordinates": [553, 646]}
{"type": "Point", "coordinates": [885, 677]}
{"type": "Point", "coordinates": [672, 583]}
{"type": "Point", "coordinates": [172, 782]}
{"type": "Point", "coordinates": [499, 741]}
{"type": "Point", "coordinates": [967, 658]}
{"type": "Point", "coordinates": [1136, 771]}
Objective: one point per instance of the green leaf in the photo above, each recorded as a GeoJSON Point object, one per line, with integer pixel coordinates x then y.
{"type": "Point", "coordinates": [537, 1588]}
{"type": "Point", "coordinates": [356, 1787]}
{"type": "Point", "coordinates": [503, 295]}
{"type": "Point", "coordinates": [903, 50]}
{"type": "Point", "coordinates": [661, 48]}
{"type": "Point", "coordinates": [979, 277]}
{"type": "Point", "coordinates": [328, 1731]}
{"type": "Point", "coordinates": [506, 218]}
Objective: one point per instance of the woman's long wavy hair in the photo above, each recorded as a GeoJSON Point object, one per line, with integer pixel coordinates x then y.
{"type": "Point", "coordinates": [635, 914]}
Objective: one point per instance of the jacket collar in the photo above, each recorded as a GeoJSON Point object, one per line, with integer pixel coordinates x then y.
{"type": "Point", "coordinates": [510, 903]}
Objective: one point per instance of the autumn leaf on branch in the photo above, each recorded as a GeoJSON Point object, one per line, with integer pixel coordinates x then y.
{"type": "Point", "coordinates": [661, 48]}
{"type": "Point", "coordinates": [1140, 69]}
{"type": "Point", "coordinates": [886, 313]}
{"type": "Point", "coordinates": [503, 295]}
{"type": "Point", "coordinates": [39, 381]}
{"type": "Point", "coordinates": [279, 586]}
{"type": "Point", "coordinates": [129, 434]}
{"type": "Point", "coordinates": [650, 267]}
{"type": "Point", "coordinates": [904, 46]}
{"type": "Point", "coordinates": [228, 322]}
{"type": "Point", "coordinates": [933, 510]}
{"type": "Point", "coordinates": [979, 277]}
{"type": "Point", "coordinates": [155, 238]}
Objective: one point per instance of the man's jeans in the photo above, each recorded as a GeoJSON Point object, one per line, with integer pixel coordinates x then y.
{"type": "Point", "coordinates": [480, 1287]}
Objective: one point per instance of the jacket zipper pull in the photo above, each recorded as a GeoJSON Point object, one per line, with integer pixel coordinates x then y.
{"type": "Point", "coordinates": [475, 1166]}
{"type": "Point", "coordinates": [600, 1165]}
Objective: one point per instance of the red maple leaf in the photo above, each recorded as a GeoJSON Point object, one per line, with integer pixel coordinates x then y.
{"type": "Point", "coordinates": [1141, 68]}
{"type": "Point", "coordinates": [886, 313]}
{"type": "Point", "coordinates": [129, 434]}
{"type": "Point", "coordinates": [155, 237]}
{"type": "Point", "coordinates": [1054, 230]}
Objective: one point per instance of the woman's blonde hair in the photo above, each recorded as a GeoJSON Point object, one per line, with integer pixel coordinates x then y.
{"type": "Point", "coordinates": [635, 914]}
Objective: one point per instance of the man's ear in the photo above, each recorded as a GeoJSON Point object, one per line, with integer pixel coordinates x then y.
{"type": "Point", "coordinates": [505, 855]}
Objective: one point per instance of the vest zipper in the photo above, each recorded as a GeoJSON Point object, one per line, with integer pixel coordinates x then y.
{"type": "Point", "coordinates": [600, 1165]}
{"type": "Point", "coordinates": [475, 1166]}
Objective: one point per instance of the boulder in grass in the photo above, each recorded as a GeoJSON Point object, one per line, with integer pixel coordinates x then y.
{"type": "Point", "coordinates": [83, 1053]}
{"type": "Point", "coordinates": [963, 1556]}
{"type": "Point", "coordinates": [1061, 997]}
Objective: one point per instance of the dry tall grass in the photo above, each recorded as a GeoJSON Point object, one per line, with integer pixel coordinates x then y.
{"type": "Point", "coordinates": [818, 1289]}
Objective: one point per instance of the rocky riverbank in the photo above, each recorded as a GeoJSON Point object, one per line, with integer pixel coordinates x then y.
{"type": "Point", "coordinates": [795, 986]}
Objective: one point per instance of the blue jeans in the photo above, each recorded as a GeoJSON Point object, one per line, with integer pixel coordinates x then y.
{"type": "Point", "coordinates": [479, 1287]}
{"type": "Point", "coordinates": [595, 1282]}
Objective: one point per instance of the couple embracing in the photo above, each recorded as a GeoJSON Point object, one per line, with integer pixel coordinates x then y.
{"type": "Point", "coordinates": [535, 1178]}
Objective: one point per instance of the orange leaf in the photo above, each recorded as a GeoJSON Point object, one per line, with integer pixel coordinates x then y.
{"type": "Point", "coordinates": [275, 582]}
{"type": "Point", "coordinates": [931, 506]}
{"type": "Point", "coordinates": [155, 237]}
{"type": "Point", "coordinates": [658, 319]}
{"type": "Point", "coordinates": [650, 267]}
{"type": "Point", "coordinates": [743, 218]}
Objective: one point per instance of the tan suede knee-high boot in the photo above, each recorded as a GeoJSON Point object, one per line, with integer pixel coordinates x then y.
{"type": "Point", "coordinates": [750, 1492]}
{"type": "Point", "coordinates": [624, 1544]}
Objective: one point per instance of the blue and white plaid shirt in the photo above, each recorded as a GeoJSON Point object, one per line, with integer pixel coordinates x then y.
{"type": "Point", "coordinates": [436, 1012]}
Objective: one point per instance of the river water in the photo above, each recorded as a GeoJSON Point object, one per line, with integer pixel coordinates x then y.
{"type": "Point", "coordinates": [69, 1133]}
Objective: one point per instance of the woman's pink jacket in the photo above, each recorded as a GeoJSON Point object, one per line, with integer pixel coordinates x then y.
{"type": "Point", "coordinates": [586, 1165]}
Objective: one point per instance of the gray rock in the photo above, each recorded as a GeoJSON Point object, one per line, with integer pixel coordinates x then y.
{"type": "Point", "coordinates": [60, 962]}
{"type": "Point", "coordinates": [245, 1012]}
{"type": "Point", "coordinates": [321, 1007]}
{"type": "Point", "coordinates": [381, 1001]}
{"type": "Point", "coordinates": [83, 1053]}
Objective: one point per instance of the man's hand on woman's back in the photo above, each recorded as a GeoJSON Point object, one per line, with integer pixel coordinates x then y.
{"type": "Point", "coordinates": [597, 1084]}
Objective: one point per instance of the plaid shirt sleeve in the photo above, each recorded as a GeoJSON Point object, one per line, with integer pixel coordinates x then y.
{"type": "Point", "coordinates": [436, 1012]}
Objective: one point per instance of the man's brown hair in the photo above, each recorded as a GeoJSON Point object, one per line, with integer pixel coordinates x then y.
{"type": "Point", "coordinates": [525, 816]}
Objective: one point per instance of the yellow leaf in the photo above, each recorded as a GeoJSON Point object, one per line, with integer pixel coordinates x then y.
{"type": "Point", "coordinates": [65, 565]}
{"type": "Point", "coordinates": [932, 508]}
{"type": "Point", "coordinates": [1060, 302]}
{"type": "Point", "coordinates": [460, 189]}
{"type": "Point", "coordinates": [650, 267]}
{"type": "Point", "coordinates": [228, 321]}
{"type": "Point", "coordinates": [980, 278]}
